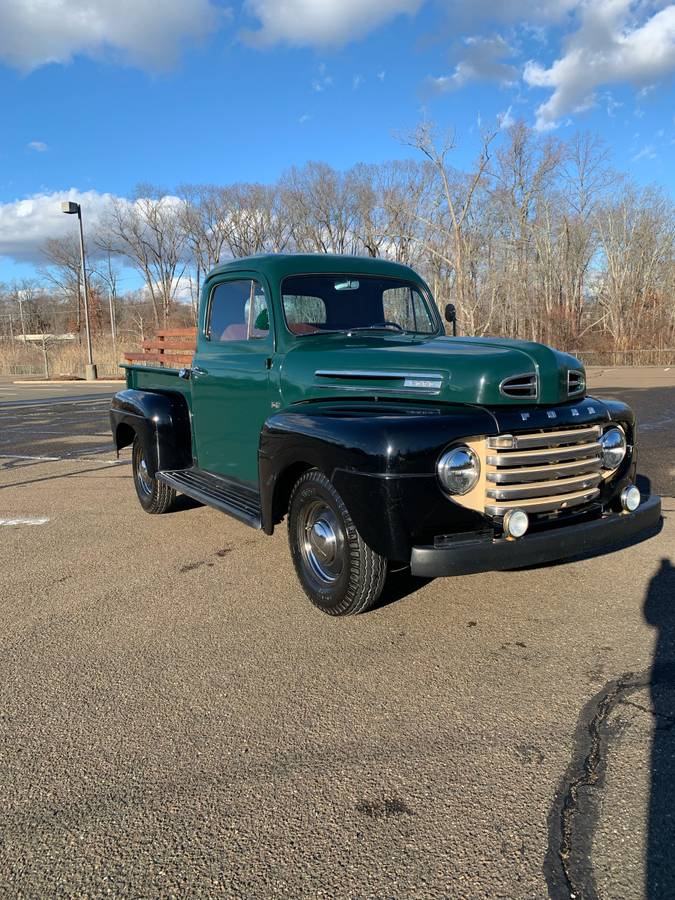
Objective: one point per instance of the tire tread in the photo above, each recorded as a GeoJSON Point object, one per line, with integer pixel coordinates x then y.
{"type": "Point", "coordinates": [163, 497]}
{"type": "Point", "coordinates": [367, 570]}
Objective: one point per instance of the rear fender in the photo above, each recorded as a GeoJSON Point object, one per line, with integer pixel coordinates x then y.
{"type": "Point", "coordinates": [160, 420]}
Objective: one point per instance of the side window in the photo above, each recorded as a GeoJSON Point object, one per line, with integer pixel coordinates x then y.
{"type": "Point", "coordinates": [405, 306]}
{"type": "Point", "coordinates": [303, 312]}
{"type": "Point", "coordinates": [238, 312]}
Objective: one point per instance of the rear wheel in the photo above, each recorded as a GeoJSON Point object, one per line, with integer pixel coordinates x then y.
{"type": "Point", "coordinates": [154, 496]}
{"type": "Point", "coordinates": [338, 571]}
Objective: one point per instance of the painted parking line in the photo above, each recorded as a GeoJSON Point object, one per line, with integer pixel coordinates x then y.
{"type": "Point", "coordinates": [30, 520]}
{"type": "Point", "coordinates": [72, 456]}
{"type": "Point", "coordinates": [50, 402]}
{"type": "Point", "coordinates": [20, 456]}
{"type": "Point", "coordinates": [661, 423]}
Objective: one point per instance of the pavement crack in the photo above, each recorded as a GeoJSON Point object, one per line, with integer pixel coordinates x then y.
{"type": "Point", "coordinates": [652, 712]}
{"type": "Point", "coordinates": [573, 816]}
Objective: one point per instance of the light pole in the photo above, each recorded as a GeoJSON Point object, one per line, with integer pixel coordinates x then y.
{"type": "Point", "coordinates": [23, 326]}
{"type": "Point", "coordinates": [70, 209]}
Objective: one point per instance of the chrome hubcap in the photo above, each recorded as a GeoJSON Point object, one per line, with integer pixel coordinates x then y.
{"type": "Point", "coordinates": [144, 479]}
{"type": "Point", "coordinates": [321, 541]}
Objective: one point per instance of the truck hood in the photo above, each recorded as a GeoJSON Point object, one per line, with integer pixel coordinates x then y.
{"type": "Point", "coordinates": [455, 370]}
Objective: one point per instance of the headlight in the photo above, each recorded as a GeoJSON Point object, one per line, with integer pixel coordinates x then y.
{"type": "Point", "coordinates": [458, 470]}
{"type": "Point", "coordinates": [613, 448]}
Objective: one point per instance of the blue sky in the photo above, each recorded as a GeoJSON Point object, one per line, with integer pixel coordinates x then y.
{"type": "Point", "coordinates": [104, 95]}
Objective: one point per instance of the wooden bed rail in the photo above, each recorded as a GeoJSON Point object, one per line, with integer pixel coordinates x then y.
{"type": "Point", "coordinates": [169, 347]}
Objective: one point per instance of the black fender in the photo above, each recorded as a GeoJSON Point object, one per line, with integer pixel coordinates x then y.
{"type": "Point", "coordinates": [382, 459]}
{"type": "Point", "coordinates": [162, 422]}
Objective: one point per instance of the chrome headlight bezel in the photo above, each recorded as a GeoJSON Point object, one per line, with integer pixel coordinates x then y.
{"type": "Point", "coordinates": [614, 447]}
{"type": "Point", "coordinates": [458, 470]}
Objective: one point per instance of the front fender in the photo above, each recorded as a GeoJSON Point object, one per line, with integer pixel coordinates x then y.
{"type": "Point", "coordinates": [160, 420]}
{"type": "Point", "coordinates": [382, 459]}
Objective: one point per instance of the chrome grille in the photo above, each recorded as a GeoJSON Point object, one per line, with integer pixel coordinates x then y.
{"type": "Point", "coordinates": [576, 383]}
{"type": "Point", "coordinates": [542, 471]}
{"type": "Point", "coordinates": [521, 386]}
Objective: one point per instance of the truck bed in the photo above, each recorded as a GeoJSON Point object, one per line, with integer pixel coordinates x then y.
{"type": "Point", "coordinates": [157, 378]}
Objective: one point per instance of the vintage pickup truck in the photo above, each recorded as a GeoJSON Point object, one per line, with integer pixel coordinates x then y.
{"type": "Point", "coordinates": [324, 389]}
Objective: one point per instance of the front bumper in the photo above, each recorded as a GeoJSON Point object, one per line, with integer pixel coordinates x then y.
{"type": "Point", "coordinates": [486, 554]}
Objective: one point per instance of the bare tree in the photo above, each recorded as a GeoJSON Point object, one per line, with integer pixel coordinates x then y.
{"type": "Point", "coordinates": [448, 240]}
{"type": "Point", "coordinates": [321, 208]}
{"type": "Point", "coordinates": [637, 233]}
{"type": "Point", "coordinates": [149, 232]}
{"type": "Point", "coordinates": [63, 270]}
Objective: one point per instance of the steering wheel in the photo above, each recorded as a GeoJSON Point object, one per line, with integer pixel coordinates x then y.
{"type": "Point", "coordinates": [386, 324]}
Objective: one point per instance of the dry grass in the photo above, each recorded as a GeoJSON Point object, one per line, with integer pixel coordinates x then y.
{"type": "Point", "coordinates": [63, 358]}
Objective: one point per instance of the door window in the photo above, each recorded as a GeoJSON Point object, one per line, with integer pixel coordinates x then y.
{"type": "Point", "coordinates": [238, 312]}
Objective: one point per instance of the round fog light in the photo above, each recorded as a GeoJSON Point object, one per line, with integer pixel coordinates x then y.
{"type": "Point", "coordinates": [630, 498]}
{"type": "Point", "coordinates": [516, 523]}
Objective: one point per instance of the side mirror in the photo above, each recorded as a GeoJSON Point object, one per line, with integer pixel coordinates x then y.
{"type": "Point", "coordinates": [451, 316]}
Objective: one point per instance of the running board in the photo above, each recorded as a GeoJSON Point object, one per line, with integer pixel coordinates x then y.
{"type": "Point", "coordinates": [230, 497]}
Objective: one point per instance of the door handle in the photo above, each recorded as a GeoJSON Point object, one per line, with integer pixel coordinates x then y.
{"type": "Point", "coordinates": [197, 370]}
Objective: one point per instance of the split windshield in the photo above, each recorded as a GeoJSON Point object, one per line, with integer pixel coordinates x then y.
{"type": "Point", "coordinates": [324, 303]}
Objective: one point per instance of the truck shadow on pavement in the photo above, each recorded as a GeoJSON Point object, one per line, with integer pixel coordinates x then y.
{"type": "Point", "coordinates": [659, 612]}
{"type": "Point", "coordinates": [578, 805]}
{"type": "Point", "coordinates": [399, 584]}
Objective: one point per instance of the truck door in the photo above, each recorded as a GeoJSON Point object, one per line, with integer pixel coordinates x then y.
{"type": "Point", "coordinates": [231, 391]}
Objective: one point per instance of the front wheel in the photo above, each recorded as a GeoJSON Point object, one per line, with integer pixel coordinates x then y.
{"type": "Point", "coordinates": [154, 496]}
{"type": "Point", "coordinates": [338, 571]}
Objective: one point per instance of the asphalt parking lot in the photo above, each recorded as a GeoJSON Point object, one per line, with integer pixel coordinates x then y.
{"type": "Point", "coordinates": [177, 720]}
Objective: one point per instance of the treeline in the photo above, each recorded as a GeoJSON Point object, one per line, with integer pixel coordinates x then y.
{"type": "Point", "coordinates": [540, 239]}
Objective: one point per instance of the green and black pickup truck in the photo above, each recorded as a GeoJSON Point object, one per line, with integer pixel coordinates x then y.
{"type": "Point", "coordinates": [324, 390]}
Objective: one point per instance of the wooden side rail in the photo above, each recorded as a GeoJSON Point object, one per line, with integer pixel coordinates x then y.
{"type": "Point", "coordinates": [177, 351]}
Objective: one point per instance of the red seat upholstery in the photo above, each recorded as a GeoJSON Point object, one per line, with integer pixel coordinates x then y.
{"type": "Point", "coordinates": [234, 332]}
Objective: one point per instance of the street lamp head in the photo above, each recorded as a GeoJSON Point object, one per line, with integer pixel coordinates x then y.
{"type": "Point", "coordinates": [69, 207]}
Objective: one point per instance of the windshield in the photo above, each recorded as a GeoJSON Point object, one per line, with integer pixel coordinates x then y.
{"type": "Point", "coordinates": [322, 303]}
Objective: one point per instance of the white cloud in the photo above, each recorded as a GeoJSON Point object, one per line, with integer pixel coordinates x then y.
{"type": "Point", "coordinates": [382, 75]}
{"type": "Point", "coordinates": [141, 32]}
{"type": "Point", "coordinates": [321, 83]}
{"type": "Point", "coordinates": [304, 118]}
{"type": "Point", "coordinates": [38, 146]}
{"type": "Point", "coordinates": [610, 46]}
{"type": "Point", "coordinates": [611, 105]}
{"type": "Point", "coordinates": [647, 152]}
{"type": "Point", "coordinates": [505, 119]}
{"type": "Point", "coordinates": [645, 91]}
{"type": "Point", "coordinates": [322, 22]}
{"type": "Point", "coordinates": [482, 60]}
{"type": "Point", "coordinates": [357, 81]}
{"type": "Point", "coordinates": [26, 224]}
